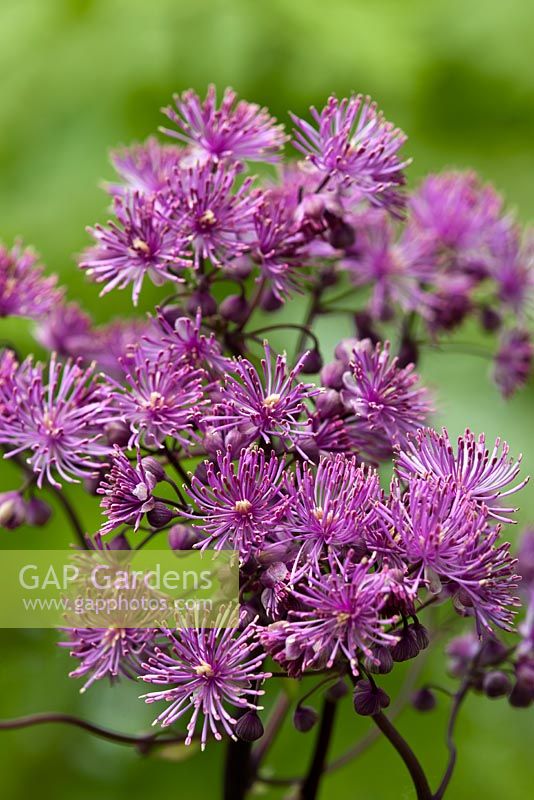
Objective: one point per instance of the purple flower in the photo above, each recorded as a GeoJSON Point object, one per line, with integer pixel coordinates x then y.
{"type": "Point", "coordinates": [329, 506]}
{"type": "Point", "coordinates": [481, 473]}
{"type": "Point", "coordinates": [353, 143]}
{"type": "Point", "coordinates": [445, 535]}
{"type": "Point", "coordinates": [58, 417]}
{"type": "Point", "coordinates": [512, 268]}
{"type": "Point", "coordinates": [209, 215]}
{"type": "Point", "coordinates": [127, 491]}
{"type": "Point", "coordinates": [108, 652]}
{"type": "Point", "coordinates": [188, 341]}
{"type": "Point", "coordinates": [141, 243]}
{"type": "Point", "coordinates": [239, 505]}
{"type": "Point", "coordinates": [204, 672]}
{"type": "Point", "coordinates": [277, 246]}
{"type": "Point", "coordinates": [394, 270]}
{"type": "Point", "coordinates": [66, 330]}
{"type": "Point", "coordinates": [266, 404]}
{"type": "Point", "coordinates": [459, 216]}
{"type": "Point", "coordinates": [232, 131]}
{"type": "Point", "coordinates": [145, 168]}
{"type": "Point", "coordinates": [381, 395]}
{"type": "Point", "coordinates": [341, 616]}
{"type": "Point", "coordinates": [159, 397]}
{"type": "Point", "coordinates": [513, 361]}
{"type": "Point", "coordinates": [24, 290]}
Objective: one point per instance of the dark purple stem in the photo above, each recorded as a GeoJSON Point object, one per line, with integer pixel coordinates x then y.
{"type": "Point", "coordinates": [404, 750]}
{"type": "Point", "coordinates": [455, 709]}
{"type": "Point", "coordinates": [310, 784]}
{"type": "Point", "coordinates": [237, 771]}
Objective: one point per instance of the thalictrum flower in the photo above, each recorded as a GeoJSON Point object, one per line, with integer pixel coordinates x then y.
{"type": "Point", "coordinates": [24, 290]}
{"type": "Point", "coordinates": [127, 490]}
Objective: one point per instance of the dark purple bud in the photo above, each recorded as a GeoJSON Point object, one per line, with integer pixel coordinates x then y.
{"type": "Point", "coordinates": [337, 691]}
{"type": "Point", "coordinates": [274, 574]}
{"type": "Point", "coordinates": [328, 404]}
{"type": "Point", "coordinates": [247, 615]}
{"type": "Point", "coordinates": [368, 699]}
{"type": "Point", "coordinates": [407, 646]}
{"type": "Point", "coordinates": [424, 700]}
{"type": "Point", "coordinates": [305, 718]}
{"type": "Point", "coordinates": [381, 661]}
{"type": "Point", "coordinates": [421, 635]}
{"type": "Point", "coordinates": [159, 516]}
{"type": "Point", "coordinates": [201, 472]}
{"type": "Point", "coordinates": [341, 235]}
{"type": "Point", "coordinates": [345, 350]}
{"type": "Point", "coordinates": [332, 375]}
{"type": "Point", "coordinates": [119, 542]}
{"type": "Point", "coordinates": [117, 433]}
{"type": "Point", "coordinates": [91, 484]}
{"type": "Point", "coordinates": [37, 512]}
{"type": "Point", "coordinates": [490, 319]}
{"type": "Point", "coordinates": [364, 324]}
{"type": "Point", "coordinates": [269, 301]}
{"type": "Point", "coordinates": [524, 672]}
{"type": "Point", "coordinates": [153, 466]}
{"type": "Point", "coordinates": [273, 553]}
{"type": "Point", "coordinates": [310, 448]}
{"type": "Point", "coordinates": [181, 537]}
{"type": "Point", "coordinates": [234, 308]}
{"type": "Point", "coordinates": [12, 510]}
{"type": "Point", "coordinates": [520, 697]}
{"type": "Point", "coordinates": [249, 727]}
{"type": "Point", "coordinates": [496, 684]}
{"type": "Point", "coordinates": [313, 362]}
{"type": "Point", "coordinates": [240, 437]}
{"type": "Point", "coordinates": [202, 299]}
{"type": "Point", "coordinates": [213, 442]}
{"type": "Point", "coordinates": [491, 653]}
{"type": "Point", "coordinates": [239, 269]}
{"type": "Point", "coordinates": [328, 277]}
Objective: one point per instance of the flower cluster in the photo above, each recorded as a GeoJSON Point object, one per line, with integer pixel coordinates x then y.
{"type": "Point", "coordinates": [205, 422]}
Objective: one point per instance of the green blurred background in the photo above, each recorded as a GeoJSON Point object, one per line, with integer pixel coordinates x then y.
{"type": "Point", "coordinates": [79, 76]}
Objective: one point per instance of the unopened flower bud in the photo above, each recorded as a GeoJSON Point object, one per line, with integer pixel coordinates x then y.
{"type": "Point", "coordinates": [269, 301]}
{"type": "Point", "coordinates": [309, 447]}
{"type": "Point", "coordinates": [238, 269]}
{"type": "Point", "coordinates": [368, 699]}
{"type": "Point", "coordinates": [332, 374]}
{"type": "Point", "coordinates": [117, 433]}
{"type": "Point", "coordinates": [234, 308]}
{"type": "Point", "coordinates": [249, 727]}
{"type": "Point", "coordinates": [490, 319]}
{"type": "Point", "coordinates": [119, 542]}
{"type": "Point", "coordinates": [312, 363]}
{"type": "Point", "coordinates": [304, 718]}
{"type": "Point", "coordinates": [524, 672]}
{"type": "Point", "coordinates": [496, 684]}
{"type": "Point", "coordinates": [328, 277]}
{"type": "Point", "coordinates": [328, 404]}
{"type": "Point", "coordinates": [363, 322]}
{"type": "Point", "coordinates": [213, 442]}
{"type": "Point", "coordinates": [337, 691]}
{"type": "Point", "coordinates": [380, 662]}
{"type": "Point", "coordinates": [201, 472]}
{"type": "Point", "coordinates": [153, 466]}
{"type": "Point", "coordinates": [12, 510]}
{"type": "Point", "coordinates": [491, 653]}
{"type": "Point", "coordinates": [37, 511]}
{"type": "Point", "coordinates": [421, 635]}
{"type": "Point", "coordinates": [520, 697]}
{"type": "Point", "coordinates": [407, 646]}
{"type": "Point", "coordinates": [341, 234]}
{"type": "Point", "coordinates": [408, 352]}
{"type": "Point", "coordinates": [202, 299]}
{"type": "Point", "coordinates": [424, 700]}
{"type": "Point", "coordinates": [181, 537]}
{"type": "Point", "coordinates": [159, 516]}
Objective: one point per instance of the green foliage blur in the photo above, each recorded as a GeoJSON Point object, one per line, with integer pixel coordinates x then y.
{"type": "Point", "coordinates": [80, 76]}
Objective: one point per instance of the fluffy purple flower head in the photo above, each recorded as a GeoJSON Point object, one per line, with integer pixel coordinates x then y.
{"type": "Point", "coordinates": [512, 268]}
{"type": "Point", "coordinates": [277, 246]}
{"type": "Point", "coordinates": [341, 616]}
{"type": "Point", "coordinates": [354, 143]}
{"type": "Point", "coordinates": [127, 491]}
{"type": "Point", "coordinates": [188, 341]}
{"type": "Point", "coordinates": [57, 414]}
{"type": "Point", "coordinates": [24, 290]}
{"type": "Point", "coordinates": [66, 330]}
{"type": "Point", "coordinates": [233, 131]}
{"type": "Point", "coordinates": [383, 396]}
{"type": "Point", "coordinates": [144, 168]}
{"type": "Point", "coordinates": [108, 652]}
{"type": "Point", "coordinates": [513, 361]}
{"type": "Point", "coordinates": [159, 397]}
{"type": "Point", "coordinates": [140, 244]}
{"type": "Point", "coordinates": [458, 215]}
{"type": "Point", "coordinates": [208, 213]}
{"type": "Point", "coordinates": [394, 270]}
{"type": "Point", "coordinates": [267, 403]}
{"type": "Point", "coordinates": [329, 506]}
{"type": "Point", "coordinates": [239, 505]}
{"type": "Point", "coordinates": [482, 473]}
{"type": "Point", "coordinates": [446, 536]}
{"type": "Point", "coordinates": [204, 672]}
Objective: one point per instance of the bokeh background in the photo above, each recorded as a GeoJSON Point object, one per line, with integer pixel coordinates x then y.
{"type": "Point", "coordinates": [78, 76]}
